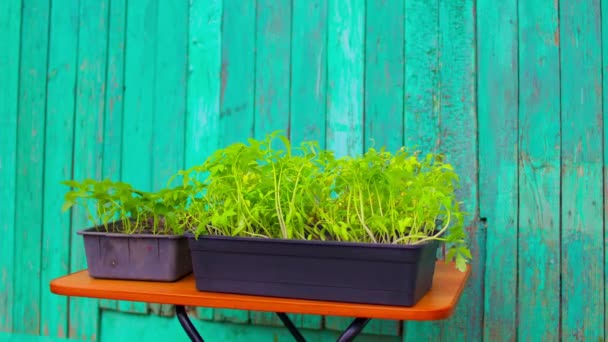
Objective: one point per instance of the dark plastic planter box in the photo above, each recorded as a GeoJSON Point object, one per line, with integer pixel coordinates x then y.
{"type": "Point", "coordinates": [136, 256]}
{"type": "Point", "coordinates": [331, 271]}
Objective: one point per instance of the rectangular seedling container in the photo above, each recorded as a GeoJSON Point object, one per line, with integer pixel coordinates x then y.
{"type": "Point", "coordinates": [151, 257]}
{"type": "Point", "coordinates": [367, 273]}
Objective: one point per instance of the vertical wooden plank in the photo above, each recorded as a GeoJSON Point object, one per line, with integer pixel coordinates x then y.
{"type": "Point", "coordinates": [308, 89]}
{"type": "Point", "coordinates": [169, 101]}
{"type": "Point", "coordinates": [582, 291]}
{"type": "Point", "coordinates": [139, 96]}
{"type": "Point", "coordinates": [237, 91]}
{"type": "Point", "coordinates": [421, 112]}
{"type": "Point", "coordinates": [59, 135]}
{"type": "Point", "coordinates": [384, 76]}
{"type": "Point", "coordinates": [10, 25]}
{"type": "Point", "coordinates": [112, 136]}
{"type": "Point", "coordinates": [421, 106]}
{"type": "Point", "coordinates": [140, 80]}
{"type": "Point", "coordinates": [457, 88]}
{"type": "Point", "coordinates": [205, 67]}
{"type": "Point", "coordinates": [88, 147]}
{"type": "Point", "coordinates": [112, 139]}
{"type": "Point", "coordinates": [272, 60]}
{"type": "Point", "coordinates": [308, 71]}
{"type": "Point", "coordinates": [272, 85]}
{"type": "Point", "coordinates": [345, 75]}
{"type": "Point", "coordinates": [435, 121]}
{"type": "Point", "coordinates": [170, 94]}
{"type": "Point", "coordinates": [498, 108]}
{"type": "Point", "coordinates": [539, 173]}
{"type": "Point", "coordinates": [345, 92]}
{"type": "Point", "coordinates": [30, 166]}
{"type": "Point", "coordinates": [203, 108]}
{"type": "Point", "coordinates": [458, 128]}
{"type": "Point", "coordinates": [237, 98]}
{"type": "Point", "coordinates": [604, 14]}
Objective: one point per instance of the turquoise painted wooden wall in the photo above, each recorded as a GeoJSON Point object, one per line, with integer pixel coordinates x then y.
{"type": "Point", "coordinates": [512, 91]}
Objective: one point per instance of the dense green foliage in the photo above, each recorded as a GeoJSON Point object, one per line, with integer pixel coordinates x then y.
{"type": "Point", "coordinates": [260, 190]}
{"type": "Point", "coordinates": [266, 188]}
{"type": "Point", "coordinates": [117, 206]}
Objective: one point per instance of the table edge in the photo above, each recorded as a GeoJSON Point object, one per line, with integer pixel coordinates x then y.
{"type": "Point", "coordinates": [249, 303]}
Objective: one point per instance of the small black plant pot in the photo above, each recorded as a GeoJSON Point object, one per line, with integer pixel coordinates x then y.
{"type": "Point", "coordinates": [151, 257]}
{"type": "Point", "coordinates": [384, 274]}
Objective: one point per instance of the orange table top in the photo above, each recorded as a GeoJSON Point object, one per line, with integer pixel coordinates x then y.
{"type": "Point", "coordinates": [438, 303]}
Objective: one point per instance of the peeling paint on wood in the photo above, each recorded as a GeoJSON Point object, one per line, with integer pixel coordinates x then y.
{"type": "Point", "coordinates": [345, 75]}
{"type": "Point", "coordinates": [112, 139]}
{"type": "Point", "coordinates": [539, 174]}
{"type": "Point", "coordinates": [421, 98]}
{"type": "Point", "coordinates": [203, 99]}
{"type": "Point", "coordinates": [345, 87]}
{"type": "Point", "coordinates": [87, 150]}
{"type": "Point", "coordinates": [169, 101]}
{"type": "Point", "coordinates": [237, 96]}
{"type": "Point", "coordinates": [59, 135]}
{"type": "Point", "coordinates": [498, 166]}
{"type": "Point", "coordinates": [383, 105]}
{"type": "Point", "coordinates": [159, 86]}
{"type": "Point", "coordinates": [582, 252]}
{"type": "Point", "coordinates": [272, 60]}
{"type": "Point", "coordinates": [604, 114]}
{"type": "Point", "coordinates": [458, 115]}
{"type": "Point", "coordinates": [345, 92]}
{"type": "Point", "coordinates": [10, 23]}
{"type": "Point", "coordinates": [139, 104]}
{"type": "Point", "coordinates": [422, 114]}
{"type": "Point", "coordinates": [29, 152]}
{"type": "Point", "coordinates": [272, 85]}
{"type": "Point", "coordinates": [308, 71]}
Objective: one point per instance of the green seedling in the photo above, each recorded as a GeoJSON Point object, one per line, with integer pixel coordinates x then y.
{"type": "Point", "coordinates": [268, 189]}
{"type": "Point", "coordinates": [118, 207]}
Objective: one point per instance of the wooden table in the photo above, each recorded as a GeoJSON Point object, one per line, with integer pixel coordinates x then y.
{"type": "Point", "coordinates": [438, 303]}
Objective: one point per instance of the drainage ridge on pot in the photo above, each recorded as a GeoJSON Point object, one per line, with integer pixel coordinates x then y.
{"type": "Point", "coordinates": [139, 256]}
{"type": "Point", "coordinates": [366, 273]}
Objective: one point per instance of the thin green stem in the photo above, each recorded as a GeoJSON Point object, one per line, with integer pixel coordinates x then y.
{"type": "Point", "coordinates": [362, 218]}
{"type": "Point", "coordinates": [277, 184]}
{"type": "Point", "coordinates": [443, 230]}
{"type": "Point", "coordinates": [379, 200]}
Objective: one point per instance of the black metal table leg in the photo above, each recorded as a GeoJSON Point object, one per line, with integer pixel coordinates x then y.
{"type": "Point", "coordinates": [190, 330]}
{"type": "Point", "coordinates": [291, 327]}
{"type": "Point", "coordinates": [353, 329]}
